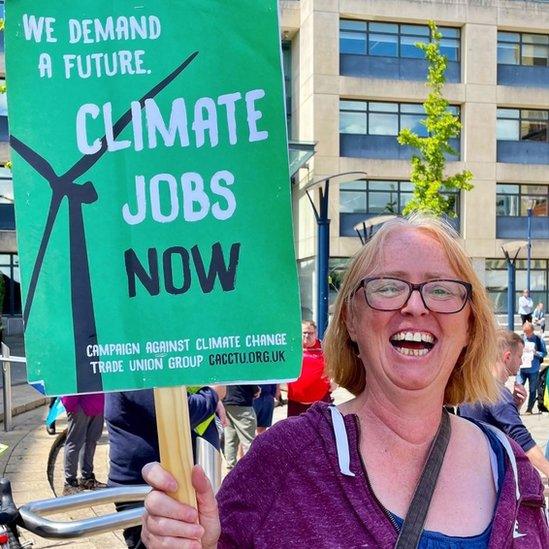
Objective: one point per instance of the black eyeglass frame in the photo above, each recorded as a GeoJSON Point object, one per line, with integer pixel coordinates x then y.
{"type": "Point", "coordinates": [419, 287]}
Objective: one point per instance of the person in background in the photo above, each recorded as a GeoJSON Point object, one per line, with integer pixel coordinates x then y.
{"type": "Point", "coordinates": [241, 420]}
{"type": "Point", "coordinates": [84, 429]}
{"type": "Point", "coordinates": [133, 437]}
{"type": "Point", "coordinates": [538, 318]}
{"type": "Point", "coordinates": [264, 406]}
{"type": "Point", "coordinates": [504, 413]}
{"type": "Point", "coordinates": [312, 384]}
{"type": "Point", "coordinates": [532, 356]}
{"type": "Point", "coordinates": [525, 307]}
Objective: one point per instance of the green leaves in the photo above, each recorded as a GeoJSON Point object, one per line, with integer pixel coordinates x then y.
{"type": "Point", "coordinates": [428, 166]}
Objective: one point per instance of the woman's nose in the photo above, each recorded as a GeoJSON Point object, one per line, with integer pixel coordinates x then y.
{"type": "Point", "coordinates": [415, 304]}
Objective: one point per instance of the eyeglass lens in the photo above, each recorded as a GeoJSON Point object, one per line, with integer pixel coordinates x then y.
{"type": "Point", "coordinates": [441, 296]}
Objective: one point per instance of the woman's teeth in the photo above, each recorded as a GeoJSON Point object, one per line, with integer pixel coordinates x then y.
{"type": "Point", "coordinates": [411, 343]}
{"type": "Point", "coordinates": [412, 352]}
{"type": "Point", "coordinates": [413, 336]}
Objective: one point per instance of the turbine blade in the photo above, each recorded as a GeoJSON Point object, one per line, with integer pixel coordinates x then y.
{"type": "Point", "coordinates": [39, 163]}
{"type": "Point", "coordinates": [52, 214]}
{"type": "Point", "coordinates": [87, 161]}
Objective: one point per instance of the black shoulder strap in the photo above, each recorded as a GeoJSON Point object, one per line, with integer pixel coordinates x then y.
{"type": "Point", "coordinates": [412, 528]}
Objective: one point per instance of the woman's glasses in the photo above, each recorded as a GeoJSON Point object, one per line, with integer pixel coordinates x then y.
{"type": "Point", "coordinates": [439, 296]}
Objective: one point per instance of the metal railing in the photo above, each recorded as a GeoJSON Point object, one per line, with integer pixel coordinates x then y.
{"type": "Point", "coordinates": [34, 515]}
{"type": "Point", "coordinates": [6, 384]}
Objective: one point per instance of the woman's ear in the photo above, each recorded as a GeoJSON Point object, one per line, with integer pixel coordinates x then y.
{"type": "Point", "coordinates": [348, 318]}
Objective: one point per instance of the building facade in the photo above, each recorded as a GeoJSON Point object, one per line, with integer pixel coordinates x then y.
{"type": "Point", "coordinates": [9, 260]}
{"type": "Point", "coordinates": [357, 78]}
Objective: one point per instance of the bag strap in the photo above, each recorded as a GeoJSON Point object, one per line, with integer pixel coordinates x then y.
{"type": "Point", "coordinates": [411, 530]}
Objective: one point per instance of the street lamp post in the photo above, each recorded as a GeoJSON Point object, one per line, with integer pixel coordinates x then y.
{"type": "Point", "coordinates": [365, 228]}
{"type": "Point", "coordinates": [508, 249]}
{"type": "Point", "coordinates": [529, 249]}
{"type": "Point", "coordinates": [323, 245]}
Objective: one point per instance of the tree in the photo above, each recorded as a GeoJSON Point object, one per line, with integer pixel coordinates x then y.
{"type": "Point", "coordinates": [428, 165]}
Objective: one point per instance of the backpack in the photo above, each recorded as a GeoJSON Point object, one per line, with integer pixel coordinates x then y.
{"type": "Point", "coordinates": [542, 379]}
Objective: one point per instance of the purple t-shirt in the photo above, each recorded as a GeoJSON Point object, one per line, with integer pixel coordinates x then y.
{"type": "Point", "coordinates": [92, 404]}
{"type": "Point", "coordinates": [288, 491]}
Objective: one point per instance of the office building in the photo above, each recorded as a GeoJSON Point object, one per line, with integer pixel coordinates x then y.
{"type": "Point", "coordinates": [357, 79]}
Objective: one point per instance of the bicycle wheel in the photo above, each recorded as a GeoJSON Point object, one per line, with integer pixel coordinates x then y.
{"type": "Point", "coordinates": [54, 470]}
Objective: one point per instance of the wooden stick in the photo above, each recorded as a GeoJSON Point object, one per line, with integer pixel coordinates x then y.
{"type": "Point", "coordinates": [174, 439]}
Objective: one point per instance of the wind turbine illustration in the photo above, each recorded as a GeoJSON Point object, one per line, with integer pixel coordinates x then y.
{"type": "Point", "coordinates": [65, 186]}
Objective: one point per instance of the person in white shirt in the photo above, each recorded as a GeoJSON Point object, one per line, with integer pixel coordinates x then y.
{"type": "Point", "coordinates": [526, 305]}
{"type": "Point", "coordinates": [538, 318]}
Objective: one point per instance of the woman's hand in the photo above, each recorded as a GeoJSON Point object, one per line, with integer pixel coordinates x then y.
{"type": "Point", "coordinates": [169, 523]}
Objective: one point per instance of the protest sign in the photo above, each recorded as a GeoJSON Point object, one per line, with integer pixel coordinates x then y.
{"type": "Point", "coordinates": [152, 194]}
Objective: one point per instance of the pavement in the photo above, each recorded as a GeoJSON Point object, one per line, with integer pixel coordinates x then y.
{"type": "Point", "coordinates": [24, 463]}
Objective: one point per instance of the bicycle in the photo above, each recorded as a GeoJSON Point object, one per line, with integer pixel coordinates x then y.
{"type": "Point", "coordinates": [29, 516]}
{"type": "Point", "coordinates": [54, 467]}
{"type": "Point", "coordinates": [9, 536]}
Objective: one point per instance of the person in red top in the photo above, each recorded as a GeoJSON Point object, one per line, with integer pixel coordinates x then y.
{"type": "Point", "coordinates": [312, 385]}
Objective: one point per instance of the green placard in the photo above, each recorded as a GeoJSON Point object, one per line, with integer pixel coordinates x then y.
{"type": "Point", "coordinates": [152, 193]}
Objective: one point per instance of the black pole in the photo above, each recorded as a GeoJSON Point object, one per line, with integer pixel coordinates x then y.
{"type": "Point", "coordinates": [83, 317]}
{"type": "Point", "coordinates": [323, 259]}
{"type": "Point", "coordinates": [511, 273]}
{"type": "Point", "coordinates": [529, 251]}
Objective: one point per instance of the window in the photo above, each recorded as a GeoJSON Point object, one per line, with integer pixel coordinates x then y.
{"type": "Point", "coordinates": [515, 200]}
{"type": "Point", "coordinates": [515, 48]}
{"type": "Point", "coordinates": [394, 39]}
{"type": "Point", "coordinates": [496, 281]}
{"type": "Point", "coordinates": [2, 13]}
{"type": "Point", "coordinates": [6, 186]}
{"type": "Point", "coordinates": [4, 132]}
{"type": "Point", "coordinates": [522, 125]}
{"type": "Point", "coordinates": [379, 197]}
{"type": "Point", "coordinates": [287, 71]}
{"type": "Point", "coordinates": [380, 118]}
{"type": "Point", "coordinates": [9, 270]}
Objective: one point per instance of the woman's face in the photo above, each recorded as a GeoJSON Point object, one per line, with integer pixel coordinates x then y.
{"type": "Point", "coordinates": [388, 340]}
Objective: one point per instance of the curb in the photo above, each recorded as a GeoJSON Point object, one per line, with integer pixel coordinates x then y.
{"type": "Point", "coordinates": [22, 408]}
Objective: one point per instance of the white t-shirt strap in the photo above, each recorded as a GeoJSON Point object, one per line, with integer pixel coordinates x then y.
{"type": "Point", "coordinates": [507, 446]}
{"type": "Point", "coordinates": [510, 454]}
{"type": "Point", "coordinates": [342, 442]}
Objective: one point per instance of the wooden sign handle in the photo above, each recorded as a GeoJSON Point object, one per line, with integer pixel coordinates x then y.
{"type": "Point", "coordinates": [174, 439]}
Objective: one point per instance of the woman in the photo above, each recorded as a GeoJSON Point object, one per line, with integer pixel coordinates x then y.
{"type": "Point", "coordinates": [412, 330]}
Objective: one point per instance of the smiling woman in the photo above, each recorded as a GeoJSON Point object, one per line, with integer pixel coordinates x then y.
{"type": "Point", "coordinates": [427, 248]}
{"type": "Point", "coordinates": [412, 331]}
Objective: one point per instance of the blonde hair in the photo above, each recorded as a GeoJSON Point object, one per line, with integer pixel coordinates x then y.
{"type": "Point", "coordinates": [508, 341]}
{"type": "Point", "coordinates": [471, 379]}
